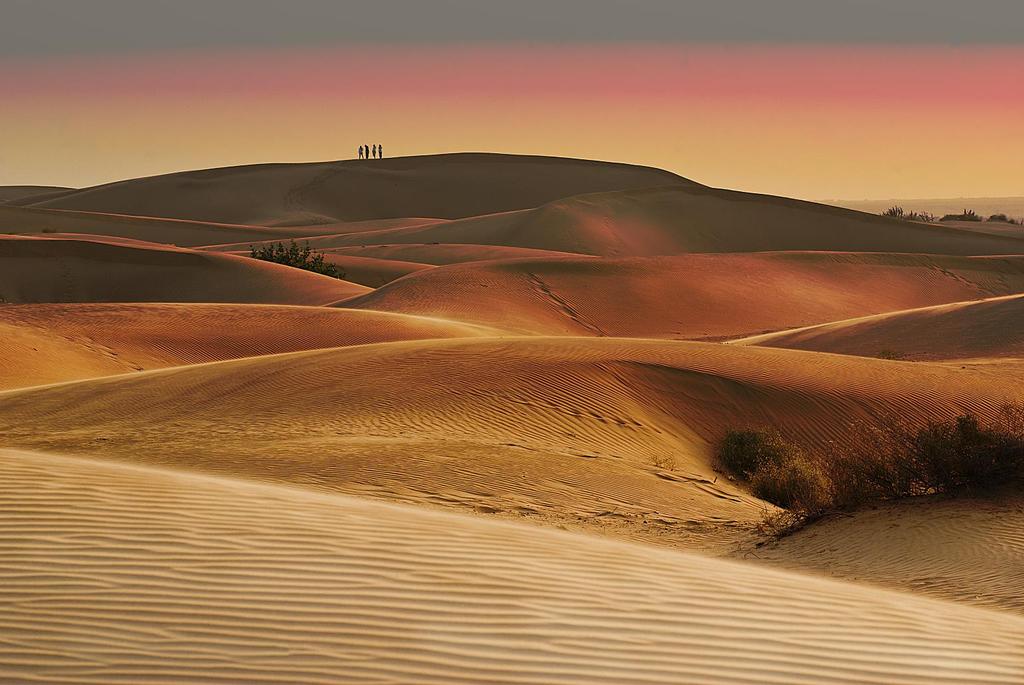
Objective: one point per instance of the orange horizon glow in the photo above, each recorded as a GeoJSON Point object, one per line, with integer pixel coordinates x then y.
{"type": "Point", "coordinates": [804, 121]}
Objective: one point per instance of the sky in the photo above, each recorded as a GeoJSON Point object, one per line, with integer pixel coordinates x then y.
{"type": "Point", "coordinates": [806, 98]}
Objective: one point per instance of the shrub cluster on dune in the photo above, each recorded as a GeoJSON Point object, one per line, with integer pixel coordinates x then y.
{"type": "Point", "coordinates": [885, 460]}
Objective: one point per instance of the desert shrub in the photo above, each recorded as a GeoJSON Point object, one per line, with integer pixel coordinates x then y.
{"type": "Point", "coordinates": [293, 255]}
{"type": "Point", "coordinates": [744, 452]}
{"type": "Point", "coordinates": [778, 471]}
{"type": "Point", "coordinates": [796, 484]}
{"type": "Point", "coordinates": [885, 459]}
{"type": "Point", "coordinates": [898, 212]}
{"type": "Point", "coordinates": [1001, 217]}
{"type": "Point", "coordinates": [967, 215]}
{"type": "Point", "coordinates": [965, 455]}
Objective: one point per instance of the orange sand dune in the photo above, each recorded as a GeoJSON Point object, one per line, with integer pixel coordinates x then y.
{"type": "Point", "coordinates": [442, 186]}
{"type": "Point", "coordinates": [118, 573]}
{"type": "Point", "coordinates": [29, 220]}
{"type": "Point", "coordinates": [371, 271]}
{"type": "Point", "coordinates": [427, 253]}
{"type": "Point", "coordinates": [603, 432]}
{"type": "Point", "coordinates": [692, 218]}
{"type": "Point", "coordinates": [65, 270]}
{"type": "Point", "coordinates": [8, 193]}
{"type": "Point", "coordinates": [49, 343]}
{"type": "Point", "coordinates": [368, 271]}
{"type": "Point", "coordinates": [691, 296]}
{"type": "Point", "coordinates": [961, 330]}
{"type": "Point", "coordinates": [439, 254]}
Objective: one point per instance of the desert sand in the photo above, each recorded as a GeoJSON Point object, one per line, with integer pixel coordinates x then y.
{"type": "Point", "coordinates": [234, 582]}
{"type": "Point", "coordinates": [978, 329]}
{"type": "Point", "coordinates": [487, 453]}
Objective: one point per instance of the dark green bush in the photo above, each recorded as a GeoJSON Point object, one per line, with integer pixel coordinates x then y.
{"type": "Point", "coordinates": [744, 452]}
{"type": "Point", "coordinates": [293, 255]}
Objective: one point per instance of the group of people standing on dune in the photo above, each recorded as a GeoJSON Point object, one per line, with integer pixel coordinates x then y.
{"type": "Point", "coordinates": [377, 151]}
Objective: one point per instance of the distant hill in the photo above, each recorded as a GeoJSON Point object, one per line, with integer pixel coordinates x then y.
{"type": "Point", "coordinates": [443, 186]}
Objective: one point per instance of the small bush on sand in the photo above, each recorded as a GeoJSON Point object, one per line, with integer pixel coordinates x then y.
{"type": "Point", "coordinates": [796, 484]}
{"type": "Point", "coordinates": [293, 255]}
{"type": "Point", "coordinates": [744, 452]}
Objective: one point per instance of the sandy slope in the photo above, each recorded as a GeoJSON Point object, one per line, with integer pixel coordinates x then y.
{"type": "Point", "coordinates": [692, 218]}
{"type": "Point", "coordinates": [966, 550]}
{"type": "Point", "coordinates": [116, 573]}
{"type": "Point", "coordinates": [443, 186]}
{"type": "Point", "coordinates": [425, 253]}
{"type": "Point", "coordinates": [369, 271]}
{"type": "Point", "coordinates": [961, 330]}
{"type": "Point", "coordinates": [610, 433]}
{"type": "Point", "coordinates": [48, 343]}
{"type": "Point", "coordinates": [8, 193]}
{"type": "Point", "coordinates": [438, 254]}
{"type": "Point", "coordinates": [691, 296]}
{"type": "Point", "coordinates": [67, 270]}
{"type": "Point", "coordinates": [29, 220]}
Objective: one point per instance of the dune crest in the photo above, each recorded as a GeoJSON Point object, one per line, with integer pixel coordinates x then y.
{"type": "Point", "coordinates": [989, 328]}
{"type": "Point", "coordinates": [443, 186]}
{"type": "Point", "coordinates": [74, 270]}
{"type": "Point", "coordinates": [50, 343]}
{"type": "Point", "coordinates": [691, 296]}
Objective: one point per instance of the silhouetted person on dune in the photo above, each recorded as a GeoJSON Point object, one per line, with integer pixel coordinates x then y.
{"type": "Point", "coordinates": [380, 151]}
{"type": "Point", "coordinates": [375, 152]}
{"type": "Point", "coordinates": [360, 152]}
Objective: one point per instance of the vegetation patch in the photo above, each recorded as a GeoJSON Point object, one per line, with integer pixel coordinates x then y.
{"type": "Point", "coordinates": [898, 212]}
{"type": "Point", "coordinates": [299, 257]}
{"type": "Point", "coordinates": [966, 215]}
{"type": "Point", "coordinates": [885, 460]}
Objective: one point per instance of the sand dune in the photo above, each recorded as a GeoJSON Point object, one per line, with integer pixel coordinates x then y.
{"type": "Point", "coordinates": [29, 221]}
{"type": "Point", "coordinates": [442, 186]}
{"type": "Point", "coordinates": [692, 218]}
{"type": "Point", "coordinates": [966, 550]}
{"type": "Point", "coordinates": [961, 330]}
{"type": "Point", "coordinates": [64, 270]}
{"type": "Point", "coordinates": [368, 271]}
{"type": "Point", "coordinates": [691, 296]}
{"type": "Point", "coordinates": [49, 343]}
{"type": "Point", "coordinates": [607, 433]}
{"type": "Point", "coordinates": [8, 193]}
{"type": "Point", "coordinates": [425, 253]}
{"type": "Point", "coordinates": [371, 271]}
{"type": "Point", "coordinates": [438, 254]}
{"type": "Point", "coordinates": [123, 573]}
